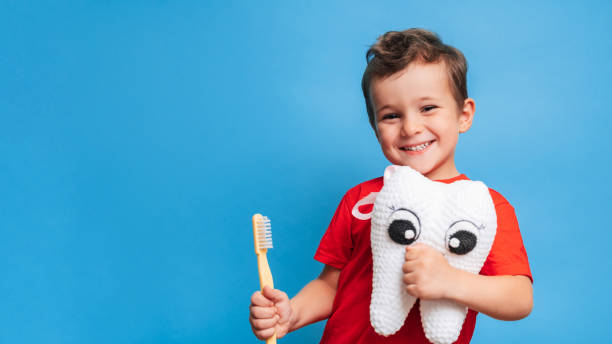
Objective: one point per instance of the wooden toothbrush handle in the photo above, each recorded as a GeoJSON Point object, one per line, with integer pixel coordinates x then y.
{"type": "Point", "coordinates": [265, 278]}
{"type": "Point", "coordinates": [271, 340]}
{"type": "Point", "coordinates": [265, 275]}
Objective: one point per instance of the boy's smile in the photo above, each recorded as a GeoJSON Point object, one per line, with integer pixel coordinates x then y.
{"type": "Point", "coordinates": [417, 148]}
{"type": "Point", "coordinates": [418, 120]}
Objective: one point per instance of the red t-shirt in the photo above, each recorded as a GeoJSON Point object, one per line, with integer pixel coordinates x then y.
{"type": "Point", "coordinates": [346, 246]}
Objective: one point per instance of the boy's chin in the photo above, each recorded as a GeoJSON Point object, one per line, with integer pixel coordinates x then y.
{"type": "Point", "coordinates": [418, 165]}
{"type": "Point", "coordinates": [426, 171]}
{"type": "Point", "coordinates": [422, 170]}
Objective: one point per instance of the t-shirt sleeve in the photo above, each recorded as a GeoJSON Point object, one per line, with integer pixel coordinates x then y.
{"type": "Point", "coordinates": [336, 246]}
{"type": "Point", "coordinates": [508, 255]}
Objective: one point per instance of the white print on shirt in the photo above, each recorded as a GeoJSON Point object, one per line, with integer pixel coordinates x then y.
{"type": "Point", "coordinates": [369, 199]}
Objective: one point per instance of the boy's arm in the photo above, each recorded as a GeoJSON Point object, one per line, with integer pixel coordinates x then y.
{"type": "Point", "coordinates": [314, 302]}
{"type": "Point", "coordinates": [500, 297]}
{"type": "Point", "coordinates": [428, 275]}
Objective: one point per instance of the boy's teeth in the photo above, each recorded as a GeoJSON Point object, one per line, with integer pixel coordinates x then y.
{"type": "Point", "coordinates": [417, 148]}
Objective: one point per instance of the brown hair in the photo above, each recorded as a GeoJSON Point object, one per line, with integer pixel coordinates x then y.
{"type": "Point", "coordinates": [395, 50]}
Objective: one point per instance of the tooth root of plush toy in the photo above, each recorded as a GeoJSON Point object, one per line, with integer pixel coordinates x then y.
{"type": "Point", "coordinates": [390, 314]}
{"type": "Point", "coordinates": [442, 320]}
{"type": "Point", "coordinates": [390, 304]}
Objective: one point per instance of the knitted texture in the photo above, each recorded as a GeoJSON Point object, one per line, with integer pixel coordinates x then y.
{"type": "Point", "coordinates": [457, 219]}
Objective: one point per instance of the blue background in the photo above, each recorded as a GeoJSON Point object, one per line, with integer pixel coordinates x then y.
{"type": "Point", "coordinates": [137, 139]}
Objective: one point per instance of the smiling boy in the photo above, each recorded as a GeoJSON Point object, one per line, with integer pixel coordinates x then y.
{"type": "Point", "coordinates": [418, 121]}
{"type": "Point", "coordinates": [416, 97]}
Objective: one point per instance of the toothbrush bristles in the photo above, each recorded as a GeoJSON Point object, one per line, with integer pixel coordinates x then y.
{"type": "Point", "coordinates": [264, 233]}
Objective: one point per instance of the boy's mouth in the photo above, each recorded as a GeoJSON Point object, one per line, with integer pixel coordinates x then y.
{"type": "Point", "coordinates": [417, 148]}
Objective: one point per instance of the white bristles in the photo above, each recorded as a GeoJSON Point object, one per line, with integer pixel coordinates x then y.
{"type": "Point", "coordinates": [264, 233]}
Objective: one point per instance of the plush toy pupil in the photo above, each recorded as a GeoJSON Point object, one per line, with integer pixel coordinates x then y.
{"type": "Point", "coordinates": [402, 232]}
{"type": "Point", "coordinates": [462, 242]}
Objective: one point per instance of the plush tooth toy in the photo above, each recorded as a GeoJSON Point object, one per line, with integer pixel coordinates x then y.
{"type": "Point", "coordinates": [457, 219]}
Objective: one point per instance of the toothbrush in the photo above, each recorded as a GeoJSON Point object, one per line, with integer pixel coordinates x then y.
{"type": "Point", "coordinates": [262, 233]}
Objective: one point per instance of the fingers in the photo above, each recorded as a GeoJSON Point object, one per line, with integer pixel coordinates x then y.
{"type": "Point", "coordinates": [281, 302]}
{"type": "Point", "coordinates": [267, 310]}
{"type": "Point", "coordinates": [258, 299]}
{"type": "Point", "coordinates": [284, 311]}
{"type": "Point", "coordinates": [264, 324]}
{"type": "Point", "coordinates": [409, 278]}
{"type": "Point", "coordinates": [274, 295]}
{"type": "Point", "coordinates": [264, 334]}
{"type": "Point", "coordinates": [412, 252]}
{"type": "Point", "coordinates": [261, 307]}
{"type": "Point", "coordinates": [410, 266]}
{"type": "Point", "coordinates": [263, 319]}
{"type": "Point", "coordinates": [417, 250]}
{"type": "Point", "coordinates": [262, 312]}
{"type": "Point", "coordinates": [413, 290]}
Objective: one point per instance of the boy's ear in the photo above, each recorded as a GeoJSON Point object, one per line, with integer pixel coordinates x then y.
{"type": "Point", "coordinates": [467, 115]}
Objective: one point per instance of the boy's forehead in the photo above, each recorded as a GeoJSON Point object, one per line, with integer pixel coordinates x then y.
{"type": "Point", "coordinates": [415, 82]}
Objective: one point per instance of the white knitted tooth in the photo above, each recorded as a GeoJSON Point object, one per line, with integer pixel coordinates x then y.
{"type": "Point", "coordinates": [442, 320]}
{"type": "Point", "coordinates": [390, 303]}
{"type": "Point", "coordinates": [456, 219]}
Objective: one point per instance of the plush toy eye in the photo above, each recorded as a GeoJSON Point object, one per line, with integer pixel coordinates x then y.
{"type": "Point", "coordinates": [461, 237]}
{"type": "Point", "coordinates": [405, 227]}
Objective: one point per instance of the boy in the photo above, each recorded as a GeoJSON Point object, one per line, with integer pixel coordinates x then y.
{"type": "Point", "coordinates": [416, 97]}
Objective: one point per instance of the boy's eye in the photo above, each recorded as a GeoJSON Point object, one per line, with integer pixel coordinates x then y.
{"type": "Point", "coordinates": [428, 108]}
{"type": "Point", "coordinates": [390, 116]}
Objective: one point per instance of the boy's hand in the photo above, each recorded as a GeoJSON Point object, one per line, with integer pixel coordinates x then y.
{"type": "Point", "coordinates": [270, 312]}
{"type": "Point", "coordinates": [427, 274]}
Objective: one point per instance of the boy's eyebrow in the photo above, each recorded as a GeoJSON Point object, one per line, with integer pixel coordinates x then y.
{"type": "Point", "coordinates": [383, 107]}
{"type": "Point", "coordinates": [424, 98]}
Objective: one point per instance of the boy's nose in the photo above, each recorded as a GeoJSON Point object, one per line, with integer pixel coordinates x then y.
{"type": "Point", "coordinates": [411, 127]}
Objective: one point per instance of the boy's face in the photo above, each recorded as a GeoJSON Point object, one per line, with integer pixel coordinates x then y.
{"type": "Point", "coordinates": [418, 120]}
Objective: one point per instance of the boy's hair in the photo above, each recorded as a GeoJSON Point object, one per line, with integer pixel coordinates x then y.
{"type": "Point", "coordinates": [395, 50]}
